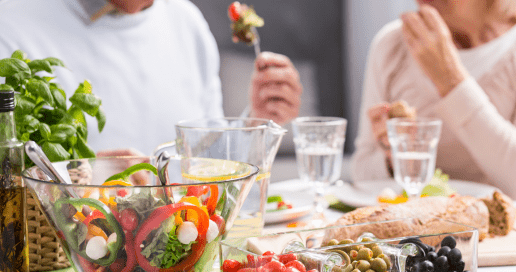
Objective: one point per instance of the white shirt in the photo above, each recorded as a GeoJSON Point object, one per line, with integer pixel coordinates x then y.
{"type": "Point", "coordinates": [151, 69]}
{"type": "Point", "coordinates": [478, 139]}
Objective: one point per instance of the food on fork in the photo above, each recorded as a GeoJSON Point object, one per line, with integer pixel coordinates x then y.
{"type": "Point", "coordinates": [243, 21]}
{"type": "Point", "coordinates": [400, 109]}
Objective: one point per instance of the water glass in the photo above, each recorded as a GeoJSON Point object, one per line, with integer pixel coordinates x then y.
{"type": "Point", "coordinates": [319, 143]}
{"type": "Point", "coordinates": [413, 148]}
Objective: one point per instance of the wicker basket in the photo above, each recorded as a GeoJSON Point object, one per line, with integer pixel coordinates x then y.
{"type": "Point", "coordinates": [45, 252]}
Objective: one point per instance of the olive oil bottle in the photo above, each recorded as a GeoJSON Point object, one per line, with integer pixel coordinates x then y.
{"type": "Point", "coordinates": [14, 250]}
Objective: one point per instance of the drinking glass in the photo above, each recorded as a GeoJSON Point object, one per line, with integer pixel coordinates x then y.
{"type": "Point", "coordinates": [413, 148]}
{"type": "Point", "coordinates": [319, 143]}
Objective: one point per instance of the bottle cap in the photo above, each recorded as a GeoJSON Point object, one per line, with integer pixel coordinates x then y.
{"type": "Point", "coordinates": [6, 101]}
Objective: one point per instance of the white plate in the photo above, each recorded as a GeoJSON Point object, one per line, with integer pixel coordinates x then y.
{"type": "Point", "coordinates": [295, 192]}
{"type": "Point", "coordinates": [365, 193]}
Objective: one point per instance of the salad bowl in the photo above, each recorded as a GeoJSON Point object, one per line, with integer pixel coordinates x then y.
{"type": "Point", "coordinates": [115, 215]}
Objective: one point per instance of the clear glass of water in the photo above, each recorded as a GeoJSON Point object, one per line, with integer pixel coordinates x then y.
{"type": "Point", "coordinates": [319, 143]}
{"type": "Point", "coordinates": [413, 148]}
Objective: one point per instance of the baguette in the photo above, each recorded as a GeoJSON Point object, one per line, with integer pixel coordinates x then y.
{"type": "Point", "coordinates": [465, 210]}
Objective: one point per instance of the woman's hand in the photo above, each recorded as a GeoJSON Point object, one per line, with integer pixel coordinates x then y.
{"type": "Point", "coordinates": [275, 88]}
{"type": "Point", "coordinates": [378, 115]}
{"type": "Point", "coordinates": [430, 43]}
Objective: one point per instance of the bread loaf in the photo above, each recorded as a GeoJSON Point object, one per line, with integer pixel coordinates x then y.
{"type": "Point", "coordinates": [464, 210]}
{"type": "Point", "coordinates": [501, 213]}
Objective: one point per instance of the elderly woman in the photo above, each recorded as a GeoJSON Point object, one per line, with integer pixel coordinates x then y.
{"type": "Point", "coordinates": [455, 60]}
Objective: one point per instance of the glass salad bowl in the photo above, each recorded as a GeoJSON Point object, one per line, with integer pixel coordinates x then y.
{"type": "Point", "coordinates": [116, 216]}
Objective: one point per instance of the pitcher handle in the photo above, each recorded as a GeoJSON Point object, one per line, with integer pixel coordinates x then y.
{"type": "Point", "coordinates": [164, 146]}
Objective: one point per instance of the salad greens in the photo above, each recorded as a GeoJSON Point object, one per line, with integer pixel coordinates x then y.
{"type": "Point", "coordinates": [41, 113]}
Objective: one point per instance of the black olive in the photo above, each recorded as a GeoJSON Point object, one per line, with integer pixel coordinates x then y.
{"type": "Point", "coordinates": [441, 264]}
{"type": "Point", "coordinates": [443, 251]}
{"type": "Point", "coordinates": [458, 266]}
{"type": "Point", "coordinates": [431, 248]}
{"type": "Point", "coordinates": [426, 266]}
{"type": "Point", "coordinates": [454, 256]}
{"type": "Point", "coordinates": [449, 241]}
{"type": "Point", "coordinates": [432, 256]}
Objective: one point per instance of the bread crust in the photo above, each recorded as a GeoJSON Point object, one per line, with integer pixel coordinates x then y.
{"type": "Point", "coordinates": [502, 213]}
{"type": "Point", "coordinates": [465, 210]}
{"type": "Point", "coordinates": [401, 109]}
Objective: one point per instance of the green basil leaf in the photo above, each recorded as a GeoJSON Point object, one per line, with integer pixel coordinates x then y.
{"type": "Point", "coordinates": [55, 62]}
{"type": "Point", "coordinates": [48, 79]}
{"type": "Point", "coordinates": [101, 119]}
{"type": "Point", "coordinates": [24, 105]}
{"type": "Point", "coordinates": [25, 137]}
{"type": "Point", "coordinates": [76, 116]}
{"type": "Point", "coordinates": [83, 149]}
{"type": "Point", "coordinates": [6, 87]}
{"type": "Point", "coordinates": [59, 98]}
{"type": "Point", "coordinates": [75, 155]}
{"type": "Point", "coordinates": [72, 141]}
{"type": "Point", "coordinates": [40, 65]}
{"type": "Point", "coordinates": [31, 124]}
{"type": "Point", "coordinates": [13, 81]}
{"type": "Point", "coordinates": [18, 54]}
{"type": "Point", "coordinates": [63, 130]}
{"type": "Point", "coordinates": [82, 130]}
{"type": "Point", "coordinates": [41, 89]}
{"type": "Point", "coordinates": [88, 102]}
{"type": "Point", "coordinates": [44, 130]}
{"type": "Point", "coordinates": [84, 88]}
{"type": "Point", "coordinates": [55, 152]}
{"type": "Point", "coordinates": [11, 67]}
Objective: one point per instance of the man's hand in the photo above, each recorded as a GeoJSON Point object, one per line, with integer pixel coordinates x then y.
{"type": "Point", "coordinates": [275, 88]}
{"type": "Point", "coordinates": [430, 42]}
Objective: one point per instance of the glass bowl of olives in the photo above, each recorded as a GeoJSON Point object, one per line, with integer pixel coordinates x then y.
{"type": "Point", "coordinates": [369, 247]}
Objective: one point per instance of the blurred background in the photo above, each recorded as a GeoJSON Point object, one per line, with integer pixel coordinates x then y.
{"type": "Point", "coordinates": [328, 42]}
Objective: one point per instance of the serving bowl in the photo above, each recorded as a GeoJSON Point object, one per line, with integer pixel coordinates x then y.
{"type": "Point", "coordinates": [317, 249]}
{"type": "Point", "coordinates": [116, 216]}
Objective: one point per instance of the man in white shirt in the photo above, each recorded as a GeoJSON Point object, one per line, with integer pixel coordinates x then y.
{"type": "Point", "coordinates": [153, 63]}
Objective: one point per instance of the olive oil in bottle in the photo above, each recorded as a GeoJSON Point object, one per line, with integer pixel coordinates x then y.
{"type": "Point", "coordinates": [14, 251]}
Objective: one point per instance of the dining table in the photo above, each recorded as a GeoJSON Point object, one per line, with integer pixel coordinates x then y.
{"type": "Point", "coordinates": [335, 210]}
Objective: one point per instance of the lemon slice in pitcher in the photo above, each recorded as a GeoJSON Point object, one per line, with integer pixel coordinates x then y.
{"type": "Point", "coordinates": [215, 170]}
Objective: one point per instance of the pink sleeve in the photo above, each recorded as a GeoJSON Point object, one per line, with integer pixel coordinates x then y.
{"type": "Point", "coordinates": [489, 138]}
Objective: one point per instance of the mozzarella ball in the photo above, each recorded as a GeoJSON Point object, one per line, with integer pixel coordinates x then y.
{"type": "Point", "coordinates": [213, 231]}
{"type": "Point", "coordinates": [187, 232]}
{"type": "Point", "coordinates": [96, 248]}
{"type": "Point", "coordinates": [111, 238]}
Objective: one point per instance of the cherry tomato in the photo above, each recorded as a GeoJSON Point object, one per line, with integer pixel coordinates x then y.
{"type": "Point", "coordinates": [265, 258]}
{"type": "Point", "coordinates": [234, 11]}
{"type": "Point", "coordinates": [129, 219]}
{"type": "Point", "coordinates": [286, 258]}
{"type": "Point", "coordinates": [231, 265]}
{"type": "Point", "coordinates": [247, 269]}
{"type": "Point", "coordinates": [273, 266]}
{"type": "Point", "coordinates": [313, 270]}
{"type": "Point", "coordinates": [290, 269]}
{"type": "Point", "coordinates": [122, 192]}
{"type": "Point", "coordinates": [297, 265]}
{"type": "Point", "coordinates": [251, 261]}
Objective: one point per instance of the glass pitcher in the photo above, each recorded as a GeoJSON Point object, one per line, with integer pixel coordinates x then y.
{"type": "Point", "coordinates": [251, 140]}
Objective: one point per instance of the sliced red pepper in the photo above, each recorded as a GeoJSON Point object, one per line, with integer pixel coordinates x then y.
{"type": "Point", "coordinates": [86, 265]}
{"type": "Point", "coordinates": [130, 251]}
{"type": "Point", "coordinates": [198, 190]}
{"type": "Point", "coordinates": [154, 221]}
{"type": "Point", "coordinates": [214, 197]}
{"type": "Point", "coordinates": [96, 214]}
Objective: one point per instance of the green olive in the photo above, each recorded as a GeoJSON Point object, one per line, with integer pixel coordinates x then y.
{"type": "Point", "coordinates": [355, 270]}
{"type": "Point", "coordinates": [348, 268]}
{"type": "Point", "coordinates": [377, 250]}
{"type": "Point", "coordinates": [336, 269]}
{"type": "Point", "coordinates": [379, 265]}
{"type": "Point", "coordinates": [365, 254]}
{"type": "Point", "coordinates": [368, 239]}
{"type": "Point", "coordinates": [344, 255]}
{"type": "Point", "coordinates": [370, 270]}
{"type": "Point", "coordinates": [386, 259]}
{"type": "Point", "coordinates": [346, 241]}
{"type": "Point", "coordinates": [363, 265]}
{"type": "Point", "coordinates": [354, 264]}
{"type": "Point", "coordinates": [332, 242]}
{"type": "Point", "coordinates": [353, 254]}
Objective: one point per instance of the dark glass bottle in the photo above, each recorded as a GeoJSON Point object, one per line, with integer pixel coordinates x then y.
{"type": "Point", "coordinates": [14, 251]}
